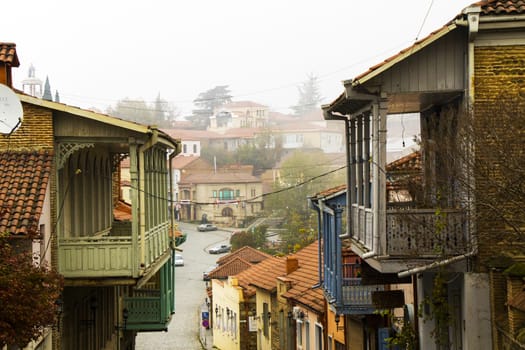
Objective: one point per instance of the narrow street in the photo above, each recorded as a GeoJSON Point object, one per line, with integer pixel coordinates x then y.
{"type": "Point", "coordinates": [184, 329]}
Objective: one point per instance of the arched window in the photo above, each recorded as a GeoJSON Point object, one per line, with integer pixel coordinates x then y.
{"type": "Point", "coordinates": [227, 212]}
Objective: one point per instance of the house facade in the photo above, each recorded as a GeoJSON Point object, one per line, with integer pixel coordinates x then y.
{"type": "Point", "coordinates": [116, 260]}
{"type": "Point", "coordinates": [226, 196]}
{"type": "Point", "coordinates": [447, 236]}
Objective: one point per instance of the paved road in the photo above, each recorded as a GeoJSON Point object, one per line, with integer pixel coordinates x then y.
{"type": "Point", "coordinates": [184, 329]}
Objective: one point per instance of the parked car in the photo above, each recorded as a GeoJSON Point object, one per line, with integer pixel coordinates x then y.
{"type": "Point", "coordinates": [223, 248]}
{"type": "Point", "coordinates": [206, 227]}
{"type": "Point", "coordinates": [179, 260]}
{"type": "Point", "coordinates": [208, 270]}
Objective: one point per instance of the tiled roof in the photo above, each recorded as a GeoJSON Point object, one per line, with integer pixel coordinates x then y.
{"type": "Point", "coordinates": [408, 163]}
{"type": "Point", "coordinates": [24, 177]}
{"type": "Point", "coordinates": [263, 273]}
{"type": "Point", "coordinates": [230, 268]}
{"type": "Point", "coordinates": [246, 253]}
{"type": "Point", "coordinates": [305, 277]}
{"type": "Point", "coordinates": [180, 161]}
{"type": "Point", "coordinates": [504, 7]}
{"type": "Point", "coordinates": [8, 54]}
{"type": "Point", "coordinates": [218, 178]}
{"type": "Point", "coordinates": [122, 211]}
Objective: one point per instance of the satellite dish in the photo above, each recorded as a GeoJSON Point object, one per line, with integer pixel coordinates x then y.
{"type": "Point", "coordinates": [10, 110]}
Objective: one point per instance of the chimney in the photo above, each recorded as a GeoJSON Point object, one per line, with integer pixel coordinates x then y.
{"type": "Point", "coordinates": [292, 263]}
{"type": "Point", "coordinates": [8, 59]}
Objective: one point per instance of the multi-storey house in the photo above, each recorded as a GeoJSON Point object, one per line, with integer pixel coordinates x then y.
{"type": "Point", "coordinates": [115, 258]}
{"type": "Point", "coordinates": [464, 81]}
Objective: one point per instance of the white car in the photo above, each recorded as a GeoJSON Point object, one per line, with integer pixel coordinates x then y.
{"type": "Point", "coordinates": [179, 260]}
{"type": "Point", "coordinates": [223, 248]}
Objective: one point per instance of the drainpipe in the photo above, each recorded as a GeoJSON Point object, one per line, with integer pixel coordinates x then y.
{"type": "Point", "coordinates": [376, 127]}
{"type": "Point", "coordinates": [171, 178]}
{"type": "Point", "coordinates": [320, 220]}
{"type": "Point", "coordinates": [142, 198]}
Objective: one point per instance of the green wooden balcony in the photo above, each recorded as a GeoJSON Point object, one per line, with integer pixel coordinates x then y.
{"type": "Point", "coordinates": [150, 309]}
{"type": "Point", "coordinates": [113, 253]}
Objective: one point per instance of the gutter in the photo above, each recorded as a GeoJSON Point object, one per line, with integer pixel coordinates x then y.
{"type": "Point", "coordinates": [435, 264]}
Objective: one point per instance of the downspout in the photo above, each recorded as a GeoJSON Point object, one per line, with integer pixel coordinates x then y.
{"type": "Point", "coordinates": [348, 232]}
{"type": "Point", "coordinates": [142, 198]}
{"type": "Point", "coordinates": [171, 186]}
{"type": "Point", "coordinates": [319, 236]}
{"type": "Point", "coordinates": [379, 111]}
{"type": "Point", "coordinates": [375, 189]}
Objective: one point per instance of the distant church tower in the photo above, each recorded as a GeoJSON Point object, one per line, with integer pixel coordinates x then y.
{"type": "Point", "coordinates": [32, 85]}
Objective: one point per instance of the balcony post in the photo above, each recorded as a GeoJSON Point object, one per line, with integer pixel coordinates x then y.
{"type": "Point", "coordinates": [338, 210]}
{"type": "Point", "coordinates": [133, 170]}
{"type": "Point", "coordinates": [381, 200]}
{"type": "Point", "coordinates": [366, 159]}
{"type": "Point", "coordinates": [359, 178]}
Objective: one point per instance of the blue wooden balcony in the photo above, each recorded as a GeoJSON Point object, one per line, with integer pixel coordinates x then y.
{"type": "Point", "coordinates": [345, 293]}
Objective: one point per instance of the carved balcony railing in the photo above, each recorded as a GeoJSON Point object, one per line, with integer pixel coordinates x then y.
{"type": "Point", "coordinates": [421, 233]}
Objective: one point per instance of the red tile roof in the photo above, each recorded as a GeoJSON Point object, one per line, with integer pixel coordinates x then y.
{"type": "Point", "coordinates": [230, 268]}
{"type": "Point", "coordinates": [24, 177]}
{"type": "Point", "coordinates": [504, 7]}
{"type": "Point", "coordinates": [180, 161]}
{"type": "Point", "coordinates": [408, 163]}
{"type": "Point", "coordinates": [238, 104]}
{"type": "Point", "coordinates": [122, 211]}
{"type": "Point", "coordinates": [305, 277]}
{"type": "Point", "coordinates": [263, 273]}
{"type": "Point", "coordinates": [218, 178]}
{"type": "Point", "coordinates": [246, 253]}
{"type": "Point", "coordinates": [8, 54]}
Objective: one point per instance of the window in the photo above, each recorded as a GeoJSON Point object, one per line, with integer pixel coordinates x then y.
{"type": "Point", "coordinates": [265, 319]}
{"type": "Point", "coordinates": [185, 148]}
{"type": "Point", "coordinates": [307, 335]}
{"type": "Point", "coordinates": [194, 148]}
{"type": "Point", "coordinates": [226, 194]}
{"type": "Point", "coordinates": [227, 212]}
{"type": "Point", "coordinates": [237, 193]}
{"type": "Point", "coordinates": [299, 333]}
{"type": "Point", "coordinates": [214, 195]}
{"type": "Point", "coordinates": [252, 192]}
{"type": "Point", "coordinates": [318, 337]}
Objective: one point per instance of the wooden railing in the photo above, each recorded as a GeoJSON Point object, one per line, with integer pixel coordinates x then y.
{"type": "Point", "coordinates": [110, 254]}
{"type": "Point", "coordinates": [413, 232]}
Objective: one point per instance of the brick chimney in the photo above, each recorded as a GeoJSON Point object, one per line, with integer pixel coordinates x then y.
{"type": "Point", "coordinates": [292, 263]}
{"type": "Point", "coordinates": [8, 59]}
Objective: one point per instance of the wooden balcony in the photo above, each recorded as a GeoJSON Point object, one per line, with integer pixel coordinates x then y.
{"type": "Point", "coordinates": [347, 294]}
{"type": "Point", "coordinates": [150, 309]}
{"type": "Point", "coordinates": [111, 254]}
{"type": "Point", "coordinates": [411, 233]}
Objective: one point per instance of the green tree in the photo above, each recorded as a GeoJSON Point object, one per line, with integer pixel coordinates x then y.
{"type": "Point", "coordinates": [206, 103]}
{"type": "Point", "coordinates": [28, 296]}
{"type": "Point", "coordinates": [309, 96]}
{"type": "Point", "coordinates": [301, 175]}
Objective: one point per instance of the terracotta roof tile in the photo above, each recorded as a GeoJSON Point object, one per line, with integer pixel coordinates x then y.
{"type": "Point", "coordinates": [246, 253]}
{"type": "Point", "coordinates": [219, 177]}
{"type": "Point", "coordinates": [504, 7]}
{"type": "Point", "coordinates": [230, 268]}
{"type": "Point", "coordinates": [263, 273]}
{"type": "Point", "coordinates": [408, 163]}
{"type": "Point", "coordinates": [24, 177]}
{"type": "Point", "coordinates": [8, 54]}
{"type": "Point", "coordinates": [305, 277]}
{"type": "Point", "coordinates": [122, 211]}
